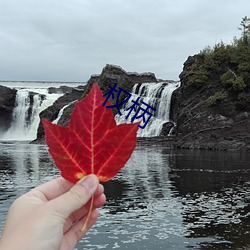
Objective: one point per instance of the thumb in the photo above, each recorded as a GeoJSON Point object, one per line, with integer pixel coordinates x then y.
{"type": "Point", "coordinates": [76, 197]}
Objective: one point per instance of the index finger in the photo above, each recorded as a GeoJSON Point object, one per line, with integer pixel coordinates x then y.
{"type": "Point", "coordinates": [54, 188]}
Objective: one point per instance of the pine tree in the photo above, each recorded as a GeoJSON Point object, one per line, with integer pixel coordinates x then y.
{"type": "Point", "coordinates": [245, 28]}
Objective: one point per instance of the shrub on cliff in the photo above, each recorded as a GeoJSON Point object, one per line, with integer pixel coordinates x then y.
{"type": "Point", "coordinates": [197, 75]}
{"type": "Point", "coordinates": [232, 80]}
{"type": "Point", "coordinates": [226, 67]}
{"type": "Point", "coordinates": [216, 98]}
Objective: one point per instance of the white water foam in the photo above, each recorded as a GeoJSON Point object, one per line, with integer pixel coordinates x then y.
{"type": "Point", "coordinates": [25, 117]}
{"type": "Point", "coordinates": [158, 96]}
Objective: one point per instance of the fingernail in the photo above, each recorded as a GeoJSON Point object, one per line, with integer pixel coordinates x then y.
{"type": "Point", "coordinates": [89, 182]}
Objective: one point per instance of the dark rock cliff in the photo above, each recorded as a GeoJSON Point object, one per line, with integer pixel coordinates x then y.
{"type": "Point", "coordinates": [7, 104]}
{"type": "Point", "coordinates": [206, 117]}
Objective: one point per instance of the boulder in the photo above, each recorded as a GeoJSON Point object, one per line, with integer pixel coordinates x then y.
{"type": "Point", "coordinates": [166, 128]}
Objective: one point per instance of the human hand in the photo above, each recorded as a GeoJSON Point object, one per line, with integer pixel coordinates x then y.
{"type": "Point", "coordinates": [50, 216]}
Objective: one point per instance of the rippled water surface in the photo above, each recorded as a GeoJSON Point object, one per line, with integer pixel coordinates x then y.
{"type": "Point", "coordinates": [161, 200]}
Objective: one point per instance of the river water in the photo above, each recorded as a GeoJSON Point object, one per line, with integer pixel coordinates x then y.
{"type": "Point", "coordinates": [162, 199]}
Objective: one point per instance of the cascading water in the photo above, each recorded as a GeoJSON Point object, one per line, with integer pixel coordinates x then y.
{"type": "Point", "coordinates": [25, 117]}
{"type": "Point", "coordinates": [20, 112]}
{"type": "Point", "coordinates": [158, 96]}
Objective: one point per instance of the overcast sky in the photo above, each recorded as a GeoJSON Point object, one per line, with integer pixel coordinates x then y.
{"type": "Point", "coordinates": [68, 40]}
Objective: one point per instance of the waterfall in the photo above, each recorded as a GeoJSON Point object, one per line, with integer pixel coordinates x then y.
{"type": "Point", "coordinates": [158, 96]}
{"type": "Point", "coordinates": [25, 117]}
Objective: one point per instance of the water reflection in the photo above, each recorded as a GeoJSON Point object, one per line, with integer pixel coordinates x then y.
{"type": "Point", "coordinates": [160, 200]}
{"type": "Point", "coordinates": [26, 164]}
{"type": "Point", "coordinates": [141, 207]}
{"type": "Point", "coordinates": [214, 187]}
{"type": "Point", "coordinates": [22, 167]}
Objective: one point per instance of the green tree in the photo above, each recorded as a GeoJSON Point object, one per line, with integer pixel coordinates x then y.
{"type": "Point", "coordinates": [245, 28]}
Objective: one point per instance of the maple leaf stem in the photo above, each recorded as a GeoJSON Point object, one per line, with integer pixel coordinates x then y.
{"type": "Point", "coordinates": [84, 228]}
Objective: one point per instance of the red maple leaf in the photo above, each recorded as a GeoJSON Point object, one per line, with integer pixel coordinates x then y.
{"type": "Point", "coordinates": [92, 142]}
